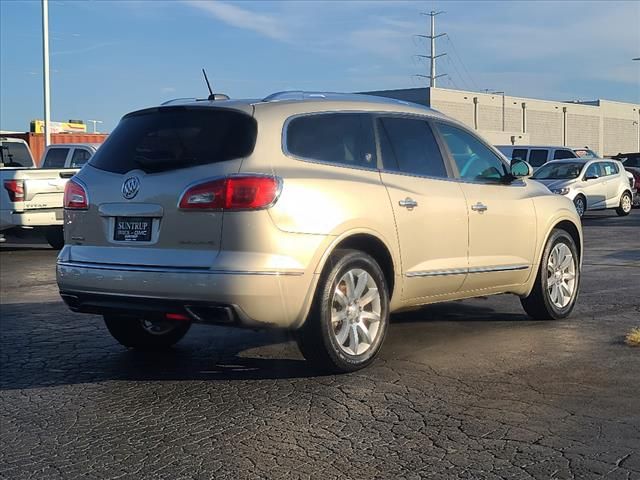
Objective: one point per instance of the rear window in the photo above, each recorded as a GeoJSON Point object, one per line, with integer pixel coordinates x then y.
{"type": "Point", "coordinates": [15, 154]}
{"type": "Point", "coordinates": [170, 138]}
{"type": "Point", "coordinates": [55, 158]}
{"type": "Point", "coordinates": [338, 138]}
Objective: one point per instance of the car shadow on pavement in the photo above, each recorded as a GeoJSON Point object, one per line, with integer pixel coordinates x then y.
{"type": "Point", "coordinates": [45, 345]}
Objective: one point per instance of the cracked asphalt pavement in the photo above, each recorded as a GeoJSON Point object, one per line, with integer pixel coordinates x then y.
{"type": "Point", "coordinates": [471, 389]}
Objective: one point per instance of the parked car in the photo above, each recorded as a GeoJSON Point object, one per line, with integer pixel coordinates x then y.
{"type": "Point", "coordinates": [318, 213]}
{"type": "Point", "coordinates": [32, 198]}
{"type": "Point", "coordinates": [585, 152]}
{"type": "Point", "coordinates": [591, 184]}
{"type": "Point", "coordinates": [631, 162]}
{"type": "Point", "coordinates": [536, 155]}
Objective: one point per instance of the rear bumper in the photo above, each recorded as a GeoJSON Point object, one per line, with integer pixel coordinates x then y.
{"type": "Point", "coordinates": [38, 218]}
{"type": "Point", "coordinates": [250, 299]}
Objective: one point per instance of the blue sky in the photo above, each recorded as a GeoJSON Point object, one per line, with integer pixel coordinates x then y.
{"type": "Point", "coordinates": [110, 57]}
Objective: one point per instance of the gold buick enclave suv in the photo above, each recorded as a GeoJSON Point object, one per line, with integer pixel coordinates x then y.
{"type": "Point", "coordinates": [319, 213]}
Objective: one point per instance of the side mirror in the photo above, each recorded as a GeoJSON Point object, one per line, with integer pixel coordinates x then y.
{"type": "Point", "coordinates": [521, 169]}
{"type": "Point", "coordinates": [591, 176]}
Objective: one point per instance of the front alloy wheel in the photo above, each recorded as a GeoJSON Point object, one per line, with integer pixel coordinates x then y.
{"type": "Point", "coordinates": [350, 315]}
{"type": "Point", "coordinates": [581, 205]}
{"type": "Point", "coordinates": [555, 290]}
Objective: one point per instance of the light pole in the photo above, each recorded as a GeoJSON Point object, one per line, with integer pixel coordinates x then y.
{"type": "Point", "coordinates": [45, 70]}
{"type": "Point", "coordinates": [94, 124]}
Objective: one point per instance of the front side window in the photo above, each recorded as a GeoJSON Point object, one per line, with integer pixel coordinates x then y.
{"type": "Point", "coordinates": [537, 158]}
{"type": "Point", "coordinates": [79, 158]}
{"type": "Point", "coordinates": [560, 154]}
{"type": "Point", "coordinates": [409, 146]}
{"type": "Point", "coordinates": [593, 171]}
{"type": "Point", "coordinates": [55, 158]}
{"type": "Point", "coordinates": [474, 159]}
{"type": "Point", "coordinates": [339, 138]}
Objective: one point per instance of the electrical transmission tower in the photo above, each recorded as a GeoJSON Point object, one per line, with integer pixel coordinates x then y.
{"type": "Point", "coordinates": [432, 77]}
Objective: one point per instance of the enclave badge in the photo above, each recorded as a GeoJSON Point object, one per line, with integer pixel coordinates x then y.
{"type": "Point", "coordinates": [130, 187]}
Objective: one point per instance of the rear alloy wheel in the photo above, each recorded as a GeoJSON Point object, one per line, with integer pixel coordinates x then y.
{"type": "Point", "coordinates": [145, 334]}
{"type": "Point", "coordinates": [350, 315]}
{"type": "Point", "coordinates": [625, 205]}
{"type": "Point", "coordinates": [556, 286]}
{"type": "Point", "coordinates": [581, 205]}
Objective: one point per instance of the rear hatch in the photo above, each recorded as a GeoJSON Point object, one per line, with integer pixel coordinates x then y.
{"type": "Point", "coordinates": [136, 179]}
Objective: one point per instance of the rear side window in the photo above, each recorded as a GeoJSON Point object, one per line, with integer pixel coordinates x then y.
{"type": "Point", "coordinates": [537, 158]}
{"type": "Point", "coordinates": [519, 154]}
{"type": "Point", "coordinates": [339, 138]}
{"type": "Point", "coordinates": [170, 138]}
{"type": "Point", "coordinates": [55, 158]}
{"type": "Point", "coordinates": [409, 146]}
{"type": "Point", "coordinates": [15, 154]}
{"type": "Point", "coordinates": [560, 154]}
{"type": "Point", "coordinates": [610, 168]}
{"type": "Point", "coordinates": [79, 158]}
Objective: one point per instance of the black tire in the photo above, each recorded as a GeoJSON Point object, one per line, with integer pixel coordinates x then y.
{"type": "Point", "coordinates": [624, 211]}
{"type": "Point", "coordinates": [55, 237]}
{"type": "Point", "coordinates": [317, 339]}
{"type": "Point", "coordinates": [580, 203]}
{"type": "Point", "coordinates": [131, 332]}
{"type": "Point", "coordinates": [539, 304]}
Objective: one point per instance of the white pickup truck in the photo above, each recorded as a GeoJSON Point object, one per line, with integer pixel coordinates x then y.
{"type": "Point", "coordinates": [33, 197]}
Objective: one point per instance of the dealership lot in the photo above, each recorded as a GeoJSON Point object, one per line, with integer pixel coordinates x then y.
{"type": "Point", "coordinates": [470, 389]}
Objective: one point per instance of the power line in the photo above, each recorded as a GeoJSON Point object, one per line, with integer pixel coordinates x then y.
{"type": "Point", "coordinates": [464, 82]}
{"type": "Point", "coordinates": [455, 52]}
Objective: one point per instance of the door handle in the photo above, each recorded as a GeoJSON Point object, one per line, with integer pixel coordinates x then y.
{"type": "Point", "coordinates": [409, 203]}
{"type": "Point", "coordinates": [479, 207]}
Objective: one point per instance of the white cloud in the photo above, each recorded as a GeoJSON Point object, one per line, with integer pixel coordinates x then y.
{"type": "Point", "coordinates": [263, 24]}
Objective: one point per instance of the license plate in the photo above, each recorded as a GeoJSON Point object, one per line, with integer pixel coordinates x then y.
{"type": "Point", "coordinates": [133, 229]}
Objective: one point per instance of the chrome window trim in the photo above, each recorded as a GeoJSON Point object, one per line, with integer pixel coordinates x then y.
{"type": "Point", "coordinates": [193, 270]}
{"type": "Point", "coordinates": [462, 271]}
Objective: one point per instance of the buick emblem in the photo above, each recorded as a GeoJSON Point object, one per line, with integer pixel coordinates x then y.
{"type": "Point", "coordinates": [130, 187]}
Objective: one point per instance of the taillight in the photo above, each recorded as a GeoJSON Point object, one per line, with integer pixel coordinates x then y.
{"type": "Point", "coordinates": [75, 196]}
{"type": "Point", "coordinates": [242, 192]}
{"type": "Point", "coordinates": [15, 189]}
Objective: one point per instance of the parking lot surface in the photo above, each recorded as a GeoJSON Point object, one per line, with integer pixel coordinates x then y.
{"type": "Point", "coordinates": [470, 389]}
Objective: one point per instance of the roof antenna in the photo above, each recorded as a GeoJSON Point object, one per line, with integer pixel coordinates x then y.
{"type": "Point", "coordinates": [211, 94]}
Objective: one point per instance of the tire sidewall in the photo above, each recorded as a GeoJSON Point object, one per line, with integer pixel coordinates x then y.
{"type": "Point", "coordinates": [350, 261]}
{"type": "Point", "coordinates": [559, 236]}
{"type": "Point", "coordinates": [584, 205]}
{"type": "Point", "coordinates": [626, 212]}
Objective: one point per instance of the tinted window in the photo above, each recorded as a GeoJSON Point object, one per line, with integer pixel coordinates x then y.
{"type": "Point", "coordinates": [408, 146]}
{"type": "Point", "coordinates": [519, 154]}
{"type": "Point", "coordinates": [342, 138]}
{"type": "Point", "coordinates": [169, 138]}
{"type": "Point", "coordinates": [593, 170]}
{"type": "Point", "coordinates": [15, 154]}
{"type": "Point", "coordinates": [55, 158]}
{"type": "Point", "coordinates": [538, 158]}
{"type": "Point", "coordinates": [609, 168]}
{"type": "Point", "coordinates": [79, 158]}
{"type": "Point", "coordinates": [559, 170]}
{"type": "Point", "coordinates": [560, 154]}
{"type": "Point", "coordinates": [474, 159]}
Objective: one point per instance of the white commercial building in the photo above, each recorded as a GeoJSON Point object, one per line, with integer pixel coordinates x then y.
{"type": "Point", "coordinates": [604, 126]}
